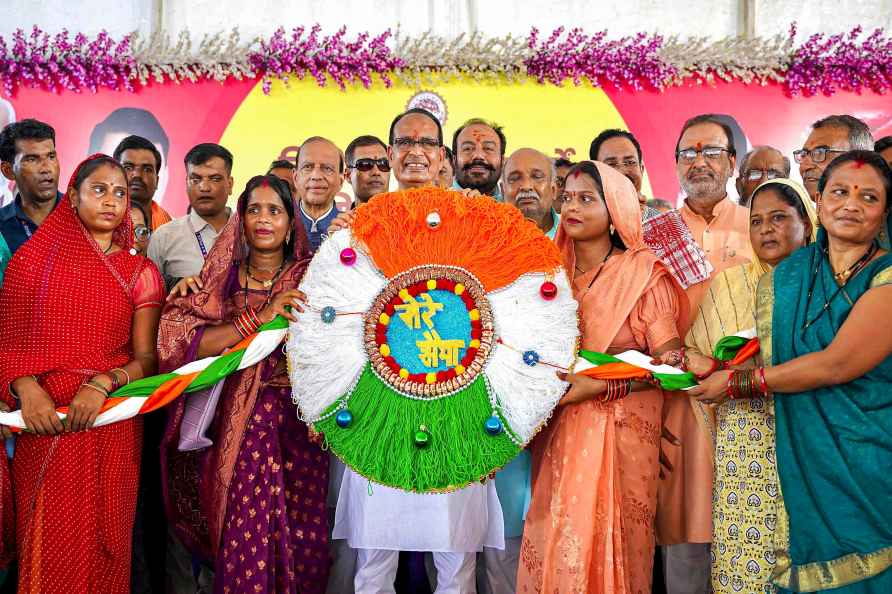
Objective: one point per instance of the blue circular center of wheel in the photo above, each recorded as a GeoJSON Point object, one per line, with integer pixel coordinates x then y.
{"type": "Point", "coordinates": [435, 339]}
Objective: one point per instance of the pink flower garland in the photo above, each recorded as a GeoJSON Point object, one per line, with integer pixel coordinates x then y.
{"type": "Point", "coordinates": [626, 61]}
{"type": "Point", "coordinates": [56, 63]}
{"type": "Point", "coordinates": [330, 56]}
{"type": "Point", "coordinates": [823, 64]}
{"type": "Point", "coordinates": [826, 64]}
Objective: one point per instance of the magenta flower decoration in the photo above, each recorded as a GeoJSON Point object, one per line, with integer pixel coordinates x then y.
{"type": "Point", "coordinates": [58, 62]}
{"type": "Point", "coordinates": [331, 56]}
{"type": "Point", "coordinates": [822, 64]}
{"type": "Point", "coordinates": [632, 61]}
{"type": "Point", "coordinates": [825, 64]}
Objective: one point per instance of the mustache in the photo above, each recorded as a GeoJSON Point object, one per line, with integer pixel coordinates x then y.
{"type": "Point", "coordinates": [700, 171]}
{"type": "Point", "coordinates": [527, 194]}
{"type": "Point", "coordinates": [477, 163]}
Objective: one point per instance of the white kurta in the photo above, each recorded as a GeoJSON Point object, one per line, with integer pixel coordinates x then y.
{"type": "Point", "coordinates": [463, 521]}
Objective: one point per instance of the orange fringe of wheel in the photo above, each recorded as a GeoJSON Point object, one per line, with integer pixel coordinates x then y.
{"type": "Point", "coordinates": [394, 229]}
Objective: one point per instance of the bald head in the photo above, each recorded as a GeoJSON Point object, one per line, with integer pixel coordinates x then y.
{"type": "Point", "coordinates": [758, 166]}
{"type": "Point", "coordinates": [317, 176]}
{"type": "Point", "coordinates": [528, 182]}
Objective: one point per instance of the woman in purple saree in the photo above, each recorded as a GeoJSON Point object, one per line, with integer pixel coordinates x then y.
{"type": "Point", "coordinates": [253, 502]}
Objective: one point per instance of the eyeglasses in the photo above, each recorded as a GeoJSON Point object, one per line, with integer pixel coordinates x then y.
{"type": "Point", "coordinates": [757, 174]}
{"type": "Point", "coordinates": [625, 162]}
{"type": "Point", "coordinates": [383, 165]}
{"type": "Point", "coordinates": [818, 155]}
{"type": "Point", "coordinates": [689, 155]}
{"type": "Point", "coordinates": [427, 144]}
{"type": "Point", "coordinates": [141, 233]}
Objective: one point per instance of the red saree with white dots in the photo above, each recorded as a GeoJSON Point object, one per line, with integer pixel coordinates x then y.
{"type": "Point", "coordinates": [66, 311]}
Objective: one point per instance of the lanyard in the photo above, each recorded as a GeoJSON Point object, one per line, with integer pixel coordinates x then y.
{"type": "Point", "coordinates": [26, 227]}
{"type": "Point", "coordinates": [201, 246]}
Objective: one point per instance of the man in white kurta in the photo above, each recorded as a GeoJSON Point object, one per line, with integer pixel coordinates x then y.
{"type": "Point", "coordinates": [380, 521]}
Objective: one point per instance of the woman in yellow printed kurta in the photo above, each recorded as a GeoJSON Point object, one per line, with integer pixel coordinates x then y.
{"type": "Point", "coordinates": [782, 220]}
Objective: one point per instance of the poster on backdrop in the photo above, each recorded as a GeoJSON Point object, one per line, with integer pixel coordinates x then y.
{"type": "Point", "coordinates": [560, 121]}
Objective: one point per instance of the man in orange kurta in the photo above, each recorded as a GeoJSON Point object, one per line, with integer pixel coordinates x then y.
{"type": "Point", "coordinates": [705, 160]}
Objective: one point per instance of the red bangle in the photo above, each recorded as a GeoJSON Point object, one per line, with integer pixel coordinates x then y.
{"type": "Point", "coordinates": [716, 364]}
{"type": "Point", "coordinates": [247, 323]}
{"type": "Point", "coordinates": [763, 383]}
{"type": "Point", "coordinates": [252, 314]}
{"type": "Point", "coordinates": [238, 326]}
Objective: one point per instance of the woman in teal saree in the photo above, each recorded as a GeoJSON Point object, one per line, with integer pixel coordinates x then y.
{"type": "Point", "coordinates": [823, 321]}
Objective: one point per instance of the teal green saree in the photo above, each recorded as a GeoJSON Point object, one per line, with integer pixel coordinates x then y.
{"type": "Point", "coordinates": [834, 445]}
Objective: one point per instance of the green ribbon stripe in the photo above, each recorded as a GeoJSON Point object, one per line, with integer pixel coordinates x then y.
{"type": "Point", "coordinates": [668, 381]}
{"type": "Point", "coordinates": [725, 350]}
{"type": "Point", "coordinates": [223, 366]}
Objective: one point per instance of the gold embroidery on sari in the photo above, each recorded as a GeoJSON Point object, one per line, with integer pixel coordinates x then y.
{"type": "Point", "coordinates": [836, 573]}
{"type": "Point", "coordinates": [884, 277]}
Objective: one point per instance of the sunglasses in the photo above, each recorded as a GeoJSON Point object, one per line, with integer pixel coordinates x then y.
{"type": "Point", "coordinates": [383, 165]}
{"type": "Point", "coordinates": [141, 233]}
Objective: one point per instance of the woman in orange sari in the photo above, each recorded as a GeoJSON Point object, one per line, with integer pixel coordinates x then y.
{"type": "Point", "coordinates": [590, 526]}
{"type": "Point", "coordinates": [79, 314]}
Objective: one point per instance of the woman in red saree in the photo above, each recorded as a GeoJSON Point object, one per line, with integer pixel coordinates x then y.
{"type": "Point", "coordinates": [78, 317]}
{"type": "Point", "coordinates": [253, 502]}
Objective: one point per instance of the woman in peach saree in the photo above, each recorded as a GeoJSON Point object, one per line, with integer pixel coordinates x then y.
{"type": "Point", "coordinates": [590, 526]}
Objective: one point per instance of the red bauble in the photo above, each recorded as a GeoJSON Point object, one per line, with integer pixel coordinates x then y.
{"type": "Point", "coordinates": [348, 256]}
{"type": "Point", "coordinates": [548, 290]}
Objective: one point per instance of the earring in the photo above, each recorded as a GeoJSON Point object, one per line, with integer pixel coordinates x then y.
{"type": "Point", "coordinates": [611, 228]}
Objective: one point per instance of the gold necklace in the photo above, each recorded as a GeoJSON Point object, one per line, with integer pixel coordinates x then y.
{"type": "Point", "coordinates": [268, 282]}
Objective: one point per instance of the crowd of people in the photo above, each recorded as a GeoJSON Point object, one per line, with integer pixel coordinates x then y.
{"type": "Point", "coordinates": [768, 476]}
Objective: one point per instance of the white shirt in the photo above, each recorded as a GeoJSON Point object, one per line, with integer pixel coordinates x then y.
{"type": "Point", "coordinates": [175, 249]}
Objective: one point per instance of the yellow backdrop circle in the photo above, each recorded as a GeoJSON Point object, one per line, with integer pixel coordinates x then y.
{"type": "Point", "coordinates": [555, 120]}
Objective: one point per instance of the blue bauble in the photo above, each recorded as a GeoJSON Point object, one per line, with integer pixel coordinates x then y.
{"type": "Point", "coordinates": [328, 314]}
{"type": "Point", "coordinates": [531, 358]}
{"type": "Point", "coordinates": [344, 418]}
{"type": "Point", "coordinates": [493, 425]}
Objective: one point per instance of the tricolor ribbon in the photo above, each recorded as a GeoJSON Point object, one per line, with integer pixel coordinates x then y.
{"type": "Point", "coordinates": [637, 366]}
{"type": "Point", "coordinates": [151, 393]}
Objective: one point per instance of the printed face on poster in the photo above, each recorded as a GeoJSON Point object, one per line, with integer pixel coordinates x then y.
{"type": "Point", "coordinates": [559, 121]}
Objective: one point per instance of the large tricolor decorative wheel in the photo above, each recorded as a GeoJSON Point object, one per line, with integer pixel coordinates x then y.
{"type": "Point", "coordinates": [428, 352]}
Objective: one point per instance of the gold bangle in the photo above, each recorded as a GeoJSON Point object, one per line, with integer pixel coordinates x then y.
{"type": "Point", "coordinates": [126, 375]}
{"type": "Point", "coordinates": [96, 386]}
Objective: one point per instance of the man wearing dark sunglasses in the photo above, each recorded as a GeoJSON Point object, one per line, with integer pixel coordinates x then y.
{"type": "Point", "coordinates": [368, 169]}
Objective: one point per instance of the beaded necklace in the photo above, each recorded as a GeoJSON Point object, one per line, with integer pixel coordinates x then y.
{"type": "Point", "coordinates": [844, 276]}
